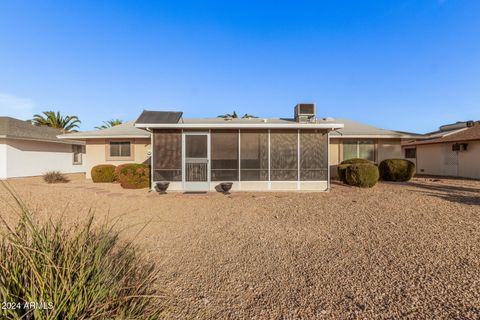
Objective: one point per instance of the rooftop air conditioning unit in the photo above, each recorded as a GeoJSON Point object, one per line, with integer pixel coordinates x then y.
{"type": "Point", "coordinates": [305, 112]}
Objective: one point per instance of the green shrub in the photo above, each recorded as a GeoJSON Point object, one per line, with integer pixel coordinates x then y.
{"type": "Point", "coordinates": [117, 171]}
{"type": "Point", "coordinates": [103, 173]}
{"type": "Point", "coordinates": [342, 172]}
{"type": "Point", "coordinates": [355, 161]}
{"type": "Point", "coordinates": [55, 177]}
{"type": "Point", "coordinates": [396, 170]}
{"type": "Point", "coordinates": [79, 272]}
{"type": "Point", "coordinates": [134, 176]}
{"type": "Point", "coordinates": [363, 175]}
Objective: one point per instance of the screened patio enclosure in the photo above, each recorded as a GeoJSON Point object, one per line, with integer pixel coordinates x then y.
{"type": "Point", "coordinates": [253, 159]}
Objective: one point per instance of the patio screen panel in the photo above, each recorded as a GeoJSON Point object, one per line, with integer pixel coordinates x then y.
{"type": "Point", "coordinates": [254, 155]}
{"type": "Point", "coordinates": [366, 150]}
{"type": "Point", "coordinates": [224, 155]}
{"type": "Point", "coordinates": [313, 155]}
{"type": "Point", "coordinates": [167, 165]}
{"type": "Point", "coordinates": [283, 155]}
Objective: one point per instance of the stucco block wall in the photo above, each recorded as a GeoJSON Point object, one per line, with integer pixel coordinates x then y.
{"type": "Point", "coordinates": [97, 153]}
{"type": "Point", "coordinates": [3, 159]}
{"type": "Point", "coordinates": [33, 158]}
{"type": "Point", "coordinates": [469, 161]}
{"type": "Point", "coordinates": [430, 159]}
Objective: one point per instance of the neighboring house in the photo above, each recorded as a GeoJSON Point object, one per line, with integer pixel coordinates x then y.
{"type": "Point", "coordinates": [116, 145]}
{"type": "Point", "coordinates": [358, 140]}
{"type": "Point", "coordinates": [453, 150]}
{"type": "Point", "coordinates": [30, 150]}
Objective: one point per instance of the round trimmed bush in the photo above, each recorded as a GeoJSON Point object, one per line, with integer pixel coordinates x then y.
{"type": "Point", "coordinates": [342, 172]}
{"type": "Point", "coordinates": [117, 171]}
{"type": "Point", "coordinates": [355, 161]}
{"type": "Point", "coordinates": [342, 167]}
{"type": "Point", "coordinates": [103, 173]}
{"type": "Point", "coordinates": [134, 176]}
{"type": "Point", "coordinates": [362, 175]}
{"type": "Point", "coordinates": [396, 170]}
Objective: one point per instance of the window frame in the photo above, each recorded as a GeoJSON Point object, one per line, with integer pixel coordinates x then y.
{"type": "Point", "coordinates": [357, 142]}
{"type": "Point", "coordinates": [409, 149]}
{"type": "Point", "coordinates": [108, 155]}
{"type": "Point", "coordinates": [79, 151]}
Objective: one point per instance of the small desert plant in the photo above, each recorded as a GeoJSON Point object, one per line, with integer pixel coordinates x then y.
{"type": "Point", "coordinates": [82, 272]}
{"type": "Point", "coordinates": [362, 175]}
{"type": "Point", "coordinates": [55, 177]}
{"type": "Point", "coordinates": [103, 173]}
{"type": "Point", "coordinates": [396, 170]}
{"type": "Point", "coordinates": [134, 176]}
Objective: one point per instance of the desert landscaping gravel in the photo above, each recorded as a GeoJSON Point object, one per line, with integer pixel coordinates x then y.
{"type": "Point", "coordinates": [396, 251]}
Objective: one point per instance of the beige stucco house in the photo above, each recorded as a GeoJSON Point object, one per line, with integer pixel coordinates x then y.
{"type": "Point", "coordinates": [116, 145]}
{"type": "Point", "coordinates": [257, 154]}
{"type": "Point", "coordinates": [453, 150]}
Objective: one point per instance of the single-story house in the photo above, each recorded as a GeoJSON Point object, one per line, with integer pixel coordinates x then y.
{"type": "Point", "coordinates": [453, 150]}
{"type": "Point", "coordinates": [30, 150]}
{"type": "Point", "coordinates": [298, 153]}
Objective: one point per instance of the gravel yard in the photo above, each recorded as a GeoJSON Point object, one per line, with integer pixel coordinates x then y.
{"type": "Point", "coordinates": [394, 251]}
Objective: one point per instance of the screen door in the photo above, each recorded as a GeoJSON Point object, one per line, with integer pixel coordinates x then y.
{"type": "Point", "coordinates": [196, 162]}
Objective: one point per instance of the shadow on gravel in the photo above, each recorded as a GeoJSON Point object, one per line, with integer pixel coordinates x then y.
{"type": "Point", "coordinates": [458, 194]}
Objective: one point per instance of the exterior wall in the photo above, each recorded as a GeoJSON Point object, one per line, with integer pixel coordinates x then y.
{"type": "Point", "coordinates": [384, 149]}
{"type": "Point", "coordinates": [33, 158]}
{"type": "Point", "coordinates": [469, 161]}
{"type": "Point", "coordinates": [3, 159]}
{"type": "Point", "coordinates": [431, 160]}
{"type": "Point", "coordinates": [97, 153]}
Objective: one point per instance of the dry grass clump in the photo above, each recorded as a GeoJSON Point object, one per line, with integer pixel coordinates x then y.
{"type": "Point", "coordinates": [55, 177]}
{"type": "Point", "coordinates": [80, 272]}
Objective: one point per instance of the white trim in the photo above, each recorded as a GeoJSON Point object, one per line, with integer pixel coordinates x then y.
{"type": "Point", "coordinates": [240, 125]}
{"type": "Point", "coordinates": [82, 143]}
{"type": "Point", "coordinates": [124, 136]}
{"type": "Point", "coordinates": [152, 187]}
{"type": "Point", "coordinates": [269, 171]}
{"type": "Point", "coordinates": [370, 136]}
{"type": "Point", "coordinates": [298, 159]}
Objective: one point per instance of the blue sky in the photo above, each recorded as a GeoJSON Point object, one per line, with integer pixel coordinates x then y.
{"type": "Point", "coordinates": [408, 65]}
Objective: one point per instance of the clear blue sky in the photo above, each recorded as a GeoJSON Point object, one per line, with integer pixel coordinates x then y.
{"type": "Point", "coordinates": [409, 65]}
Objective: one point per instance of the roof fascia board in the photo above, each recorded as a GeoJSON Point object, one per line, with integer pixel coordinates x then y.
{"type": "Point", "coordinates": [45, 140]}
{"type": "Point", "coordinates": [105, 137]}
{"type": "Point", "coordinates": [241, 125]}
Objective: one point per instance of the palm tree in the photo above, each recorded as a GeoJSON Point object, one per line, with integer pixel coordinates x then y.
{"type": "Point", "coordinates": [228, 115]}
{"type": "Point", "coordinates": [109, 124]}
{"type": "Point", "coordinates": [56, 120]}
{"type": "Point", "coordinates": [234, 116]}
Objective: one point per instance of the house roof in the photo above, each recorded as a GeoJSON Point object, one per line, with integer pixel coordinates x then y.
{"type": "Point", "coordinates": [354, 129]}
{"type": "Point", "coordinates": [24, 130]}
{"type": "Point", "coordinates": [459, 135]}
{"type": "Point", "coordinates": [124, 130]}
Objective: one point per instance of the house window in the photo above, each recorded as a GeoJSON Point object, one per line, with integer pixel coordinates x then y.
{"type": "Point", "coordinates": [363, 149]}
{"type": "Point", "coordinates": [411, 153]}
{"type": "Point", "coordinates": [224, 155]}
{"type": "Point", "coordinates": [77, 154]}
{"type": "Point", "coordinates": [119, 150]}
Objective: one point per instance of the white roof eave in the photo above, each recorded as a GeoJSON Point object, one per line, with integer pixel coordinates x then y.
{"type": "Point", "coordinates": [240, 125]}
{"type": "Point", "coordinates": [124, 136]}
